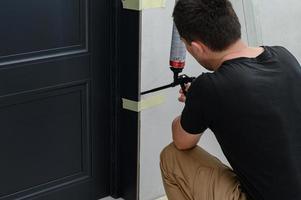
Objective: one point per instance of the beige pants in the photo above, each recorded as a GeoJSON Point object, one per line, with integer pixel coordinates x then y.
{"type": "Point", "coordinates": [197, 175]}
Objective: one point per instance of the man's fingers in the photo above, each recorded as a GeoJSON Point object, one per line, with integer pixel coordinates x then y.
{"type": "Point", "coordinates": [182, 98]}
{"type": "Point", "coordinates": [181, 91]}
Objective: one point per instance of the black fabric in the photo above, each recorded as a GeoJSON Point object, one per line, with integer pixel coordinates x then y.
{"type": "Point", "coordinates": [253, 106]}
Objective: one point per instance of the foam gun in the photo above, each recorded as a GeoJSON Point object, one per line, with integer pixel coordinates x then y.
{"type": "Point", "coordinates": [177, 64]}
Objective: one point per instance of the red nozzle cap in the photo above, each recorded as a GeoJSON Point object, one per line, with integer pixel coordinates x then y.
{"type": "Point", "coordinates": [177, 64]}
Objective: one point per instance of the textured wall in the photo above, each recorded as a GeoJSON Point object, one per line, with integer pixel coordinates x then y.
{"type": "Point", "coordinates": [273, 24]}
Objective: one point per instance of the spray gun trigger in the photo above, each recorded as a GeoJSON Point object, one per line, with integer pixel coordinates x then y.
{"type": "Point", "coordinates": [182, 80]}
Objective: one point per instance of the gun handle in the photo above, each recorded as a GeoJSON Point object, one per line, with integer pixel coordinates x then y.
{"type": "Point", "coordinates": [183, 88]}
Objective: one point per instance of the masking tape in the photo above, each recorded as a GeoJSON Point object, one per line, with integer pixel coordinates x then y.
{"type": "Point", "coordinates": [144, 104]}
{"type": "Point", "coordinates": [142, 4]}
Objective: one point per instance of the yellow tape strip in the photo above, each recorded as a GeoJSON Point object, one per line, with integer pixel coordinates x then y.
{"type": "Point", "coordinates": [142, 4]}
{"type": "Point", "coordinates": [144, 104]}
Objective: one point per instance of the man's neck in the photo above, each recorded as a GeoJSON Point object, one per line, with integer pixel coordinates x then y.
{"type": "Point", "coordinates": [238, 49]}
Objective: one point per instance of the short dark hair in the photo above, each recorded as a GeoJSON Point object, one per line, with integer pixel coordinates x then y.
{"type": "Point", "coordinates": [213, 22]}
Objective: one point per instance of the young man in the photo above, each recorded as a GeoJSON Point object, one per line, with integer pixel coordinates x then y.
{"type": "Point", "coordinates": [252, 103]}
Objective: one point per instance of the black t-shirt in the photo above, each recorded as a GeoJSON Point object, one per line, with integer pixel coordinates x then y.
{"type": "Point", "coordinates": [253, 106]}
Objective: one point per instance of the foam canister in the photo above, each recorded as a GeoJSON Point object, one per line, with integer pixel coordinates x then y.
{"type": "Point", "coordinates": [178, 50]}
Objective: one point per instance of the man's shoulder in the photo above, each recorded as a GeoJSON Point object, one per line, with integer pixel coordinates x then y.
{"type": "Point", "coordinates": [282, 52]}
{"type": "Point", "coordinates": [202, 86]}
{"type": "Point", "coordinates": [204, 80]}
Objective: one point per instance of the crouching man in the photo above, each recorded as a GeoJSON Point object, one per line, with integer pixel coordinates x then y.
{"type": "Point", "coordinates": [252, 103]}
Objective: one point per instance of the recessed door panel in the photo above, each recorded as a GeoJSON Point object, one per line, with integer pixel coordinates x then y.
{"type": "Point", "coordinates": [41, 28]}
{"type": "Point", "coordinates": [43, 130]}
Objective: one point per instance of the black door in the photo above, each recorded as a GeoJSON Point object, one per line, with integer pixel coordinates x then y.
{"type": "Point", "coordinates": [53, 104]}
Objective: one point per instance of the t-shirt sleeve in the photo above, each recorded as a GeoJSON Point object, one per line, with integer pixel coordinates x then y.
{"type": "Point", "coordinates": [200, 106]}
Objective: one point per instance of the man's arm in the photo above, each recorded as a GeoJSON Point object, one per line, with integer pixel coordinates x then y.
{"type": "Point", "coordinates": [182, 139]}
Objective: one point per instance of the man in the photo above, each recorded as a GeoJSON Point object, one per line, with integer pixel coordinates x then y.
{"type": "Point", "coordinates": [252, 103]}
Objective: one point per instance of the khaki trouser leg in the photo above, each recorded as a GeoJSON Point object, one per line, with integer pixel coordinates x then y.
{"type": "Point", "coordinates": [197, 175]}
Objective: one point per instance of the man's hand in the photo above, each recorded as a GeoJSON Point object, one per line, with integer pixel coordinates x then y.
{"type": "Point", "coordinates": [182, 97]}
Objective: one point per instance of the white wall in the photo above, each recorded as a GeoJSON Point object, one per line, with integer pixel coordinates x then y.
{"type": "Point", "coordinates": [272, 23]}
{"type": "Point", "coordinates": [280, 23]}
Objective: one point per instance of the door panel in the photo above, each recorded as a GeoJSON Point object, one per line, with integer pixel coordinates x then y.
{"type": "Point", "coordinates": [48, 97]}
{"type": "Point", "coordinates": [42, 28]}
{"type": "Point", "coordinates": [48, 128]}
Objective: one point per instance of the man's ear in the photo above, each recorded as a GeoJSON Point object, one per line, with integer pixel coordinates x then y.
{"type": "Point", "coordinates": [197, 47]}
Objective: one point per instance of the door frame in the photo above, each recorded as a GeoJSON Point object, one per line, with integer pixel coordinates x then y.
{"type": "Point", "coordinates": [125, 83]}
{"type": "Point", "coordinates": [100, 40]}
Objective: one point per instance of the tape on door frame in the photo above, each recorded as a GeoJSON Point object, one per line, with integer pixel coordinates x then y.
{"type": "Point", "coordinates": [142, 4]}
{"type": "Point", "coordinates": [143, 104]}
